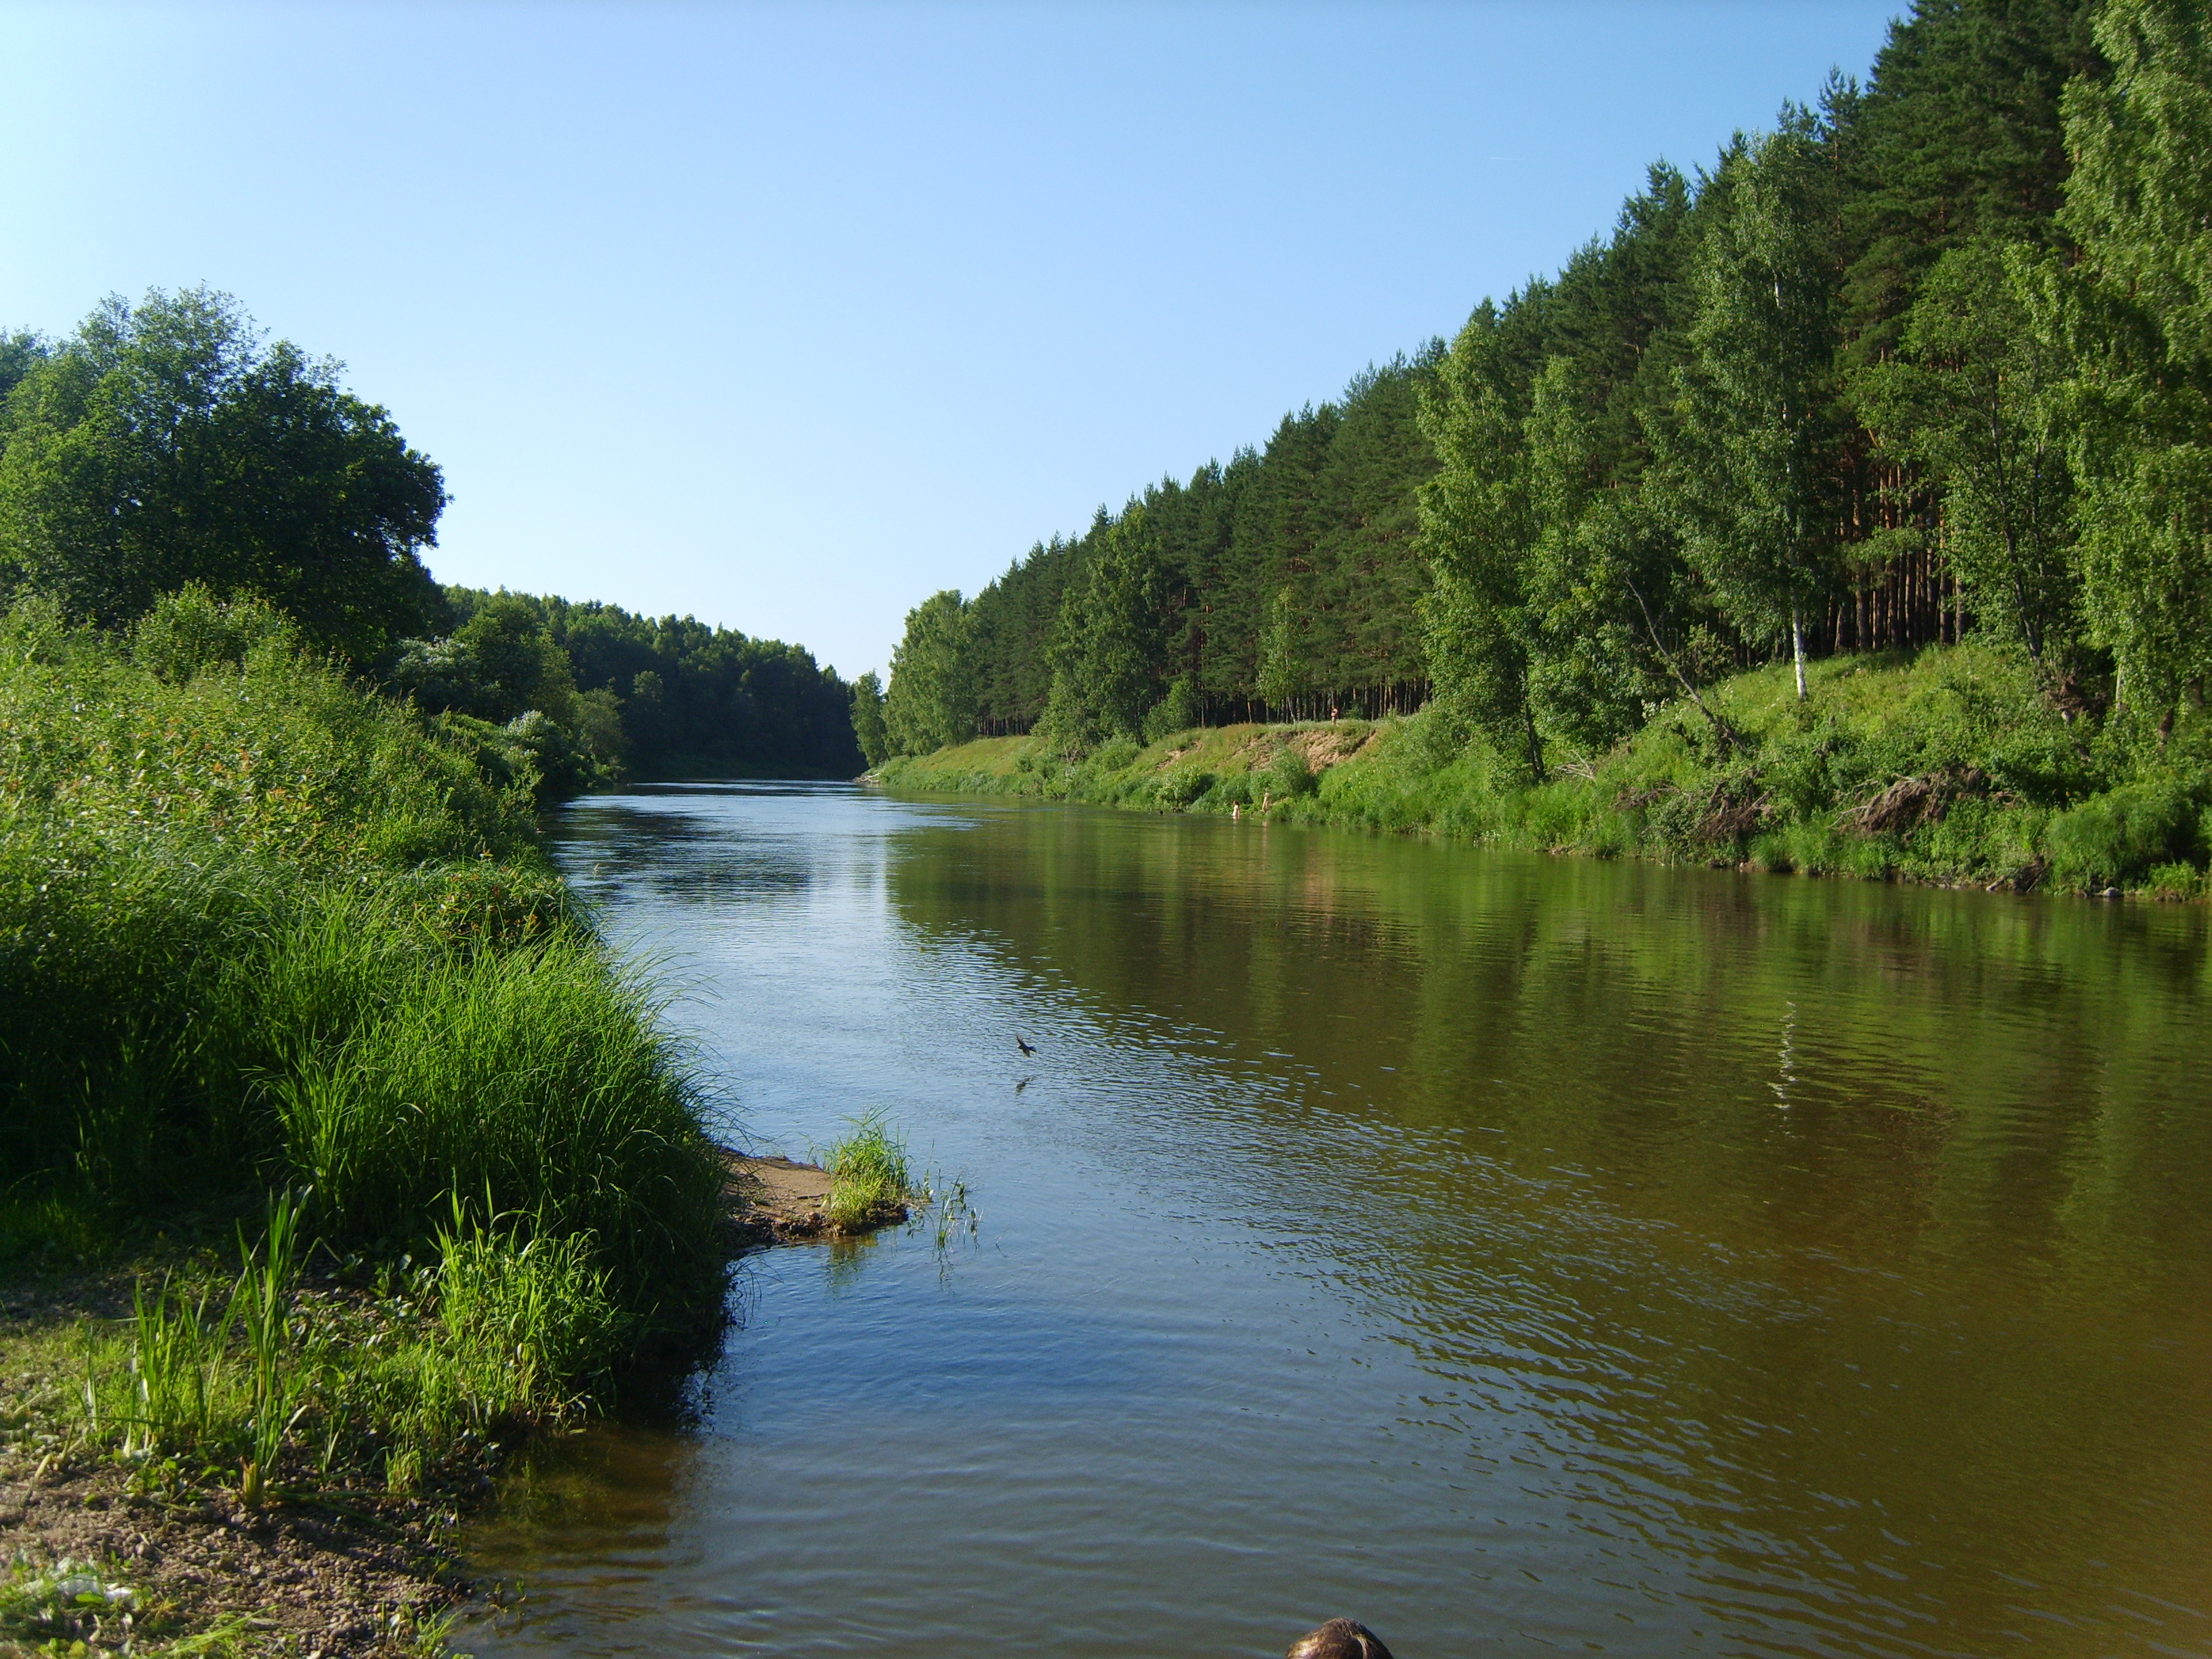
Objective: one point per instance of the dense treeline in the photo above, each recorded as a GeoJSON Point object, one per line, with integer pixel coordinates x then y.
{"type": "Point", "coordinates": [168, 445]}
{"type": "Point", "coordinates": [622, 695]}
{"type": "Point", "coordinates": [1928, 359]}
{"type": "Point", "coordinates": [1287, 580]}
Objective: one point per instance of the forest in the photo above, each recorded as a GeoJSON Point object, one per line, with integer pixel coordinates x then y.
{"type": "Point", "coordinates": [622, 695]}
{"type": "Point", "coordinates": [1927, 362]}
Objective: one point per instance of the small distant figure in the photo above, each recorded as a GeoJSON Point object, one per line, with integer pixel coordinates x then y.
{"type": "Point", "coordinates": [1027, 1048]}
{"type": "Point", "coordinates": [1023, 1083]}
{"type": "Point", "coordinates": [1339, 1638]}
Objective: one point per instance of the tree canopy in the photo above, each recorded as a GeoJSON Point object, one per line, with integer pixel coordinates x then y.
{"type": "Point", "coordinates": [167, 443]}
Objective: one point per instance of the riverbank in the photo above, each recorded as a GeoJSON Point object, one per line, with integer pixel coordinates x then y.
{"type": "Point", "coordinates": [342, 1152]}
{"type": "Point", "coordinates": [124, 1549]}
{"type": "Point", "coordinates": [1950, 767]}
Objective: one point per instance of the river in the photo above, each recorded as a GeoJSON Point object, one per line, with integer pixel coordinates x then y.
{"type": "Point", "coordinates": [1519, 1254]}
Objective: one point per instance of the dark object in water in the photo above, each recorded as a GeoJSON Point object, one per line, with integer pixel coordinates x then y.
{"type": "Point", "coordinates": [1027, 1049]}
{"type": "Point", "coordinates": [1339, 1638]}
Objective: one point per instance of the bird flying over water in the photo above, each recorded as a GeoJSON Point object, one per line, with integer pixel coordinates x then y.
{"type": "Point", "coordinates": [1027, 1049]}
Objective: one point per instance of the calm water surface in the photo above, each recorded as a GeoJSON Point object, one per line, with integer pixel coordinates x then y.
{"type": "Point", "coordinates": [1519, 1254]}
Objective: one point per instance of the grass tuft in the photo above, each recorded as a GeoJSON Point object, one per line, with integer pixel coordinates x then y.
{"type": "Point", "coordinates": [870, 1181]}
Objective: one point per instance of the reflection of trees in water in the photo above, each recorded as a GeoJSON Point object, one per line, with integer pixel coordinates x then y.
{"type": "Point", "coordinates": [1951, 1305]}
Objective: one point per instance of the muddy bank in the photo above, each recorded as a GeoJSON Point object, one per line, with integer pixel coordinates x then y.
{"type": "Point", "coordinates": [778, 1201]}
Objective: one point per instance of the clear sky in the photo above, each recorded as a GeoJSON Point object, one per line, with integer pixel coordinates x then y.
{"type": "Point", "coordinates": [788, 316]}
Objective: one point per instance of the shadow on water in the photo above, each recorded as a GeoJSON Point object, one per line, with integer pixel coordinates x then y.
{"type": "Point", "coordinates": [1516, 1254]}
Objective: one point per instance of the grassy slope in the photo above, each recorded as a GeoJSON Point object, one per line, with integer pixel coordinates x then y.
{"type": "Point", "coordinates": [262, 933]}
{"type": "Point", "coordinates": [1944, 768]}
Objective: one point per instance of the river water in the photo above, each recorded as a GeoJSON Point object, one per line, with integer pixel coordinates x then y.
{"type": "Point", "coordinates": [1519, 1254]}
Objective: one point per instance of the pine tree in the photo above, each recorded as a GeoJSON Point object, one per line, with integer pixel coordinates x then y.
{"type": "Point", "coordinates": [1476, 526]}
{"type": "Point", "coordinates": [1961, 136]}
{"type": "Point", "coordinates": [1108, 657]}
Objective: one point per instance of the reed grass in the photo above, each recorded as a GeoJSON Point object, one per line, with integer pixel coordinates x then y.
{"type": "Point", "coordinates": [869, 1176]}
{"type": "Point", "coordinates": [279, 1389]}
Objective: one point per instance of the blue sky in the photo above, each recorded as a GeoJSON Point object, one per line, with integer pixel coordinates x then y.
{"type": "Point", "coordinates": [789, 316]}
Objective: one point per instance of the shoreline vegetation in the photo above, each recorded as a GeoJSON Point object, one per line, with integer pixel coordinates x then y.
{"type": "Point", "coordinates": [1944, 766]}
{"type": "Point", "coordinates": [1846, 506]}
{"type": "Point", "coordinates": [343, 1152]}
{"type": "Point", "coordinates": [343, 1155]}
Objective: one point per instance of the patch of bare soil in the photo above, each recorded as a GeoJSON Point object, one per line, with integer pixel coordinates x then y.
{"type": "Point", "coordinates": [777, 1200]}
{"type": "Point", "coordinates": [350, 1577]}
{"type": "Point", "coordinates": [1326, 747]}
{"type": "Point", "coordinates": [355, 1583]}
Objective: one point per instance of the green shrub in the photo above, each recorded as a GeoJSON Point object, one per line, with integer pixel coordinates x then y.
{"type": "Point", "coordinates": [1179, 789]}
{"type": "Point", "coordinates": [1111, 756]}
{"type": "Point", "coordinates": [1288, 776]}
{"type": "Point", "coordinates": [1177, 711]}
{"type": "Point", "coordinates": [2117, 837]}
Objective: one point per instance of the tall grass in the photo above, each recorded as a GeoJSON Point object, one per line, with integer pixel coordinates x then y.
{"type": "Point", "coordinates": [261, 928]}
{"type": "Point", "coordinates": [277, 1385]}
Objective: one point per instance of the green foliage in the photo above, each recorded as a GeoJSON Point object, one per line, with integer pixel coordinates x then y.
{"type": "Point", "coordinates": [1106, 652]}
{"type": "Point", "coordinates": [57, 1606]}
{"type": "Point", "coordinates": [869, 1176]}
{"type": "Point", "coordinates": [529, 1318]}
{"type": "Point", "coordinates": [698, 700]}
{"type": "Point", "coordinates": [2138, 319]}
{"type": "Point", "coordinates": [260, 926]}
{"type": "Point", "coordinates": [272, 1386]}
{"type": "Point", "coordinates": [2117, 839]}
{"type": "Point", "coordinates": [1861, 386]}
{"type": "Point", "coordinates": [1969, 398]}
{"type": "Point", "coordinates": [1476, 522]}
{"type": "Point", "coordinates": [166, 443]}
{"type": "Point", "coordinates": [1950, 766]}
{"type": "Point", "coordinates": [868, 729]}
{"type": "Point", "coordinates": [931, 703]}
{"type": "Point", "coordinates": [1177, 710]}
{"type": "Point", "coordinates": [534, 1074]}
{"type": "Point", "coordinates": [1325, 509]}
{"type": "Point", "coordinates": [658, 697]}
{"type": "Point", "coordinates": [1752, 459]}
{"type": "Point", "coordinates": [500, 663]}
{"type": "Point", "coordinates": [167, 447]}
{"type": "Point", "coordinates": [1958, 138]}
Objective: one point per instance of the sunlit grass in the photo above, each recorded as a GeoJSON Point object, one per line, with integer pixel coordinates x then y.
{"type": "Point", "coordinates": [870, 1180]}
{"type": "Point", "coordinates": [2006, 790]}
